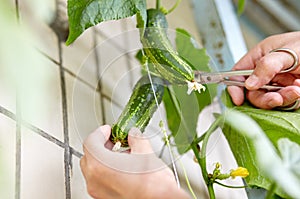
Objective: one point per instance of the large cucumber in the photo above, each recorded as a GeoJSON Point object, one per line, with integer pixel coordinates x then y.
{"type": "Point", "coordinates": [139, 109]}
{"type": "Point", "coordinates": [159, 50]}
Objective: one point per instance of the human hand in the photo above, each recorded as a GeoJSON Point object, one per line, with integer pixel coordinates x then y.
{"type": "Point", "coordinates": [266, 67]}
{"type": "Point", "coordinates": [137, 174]}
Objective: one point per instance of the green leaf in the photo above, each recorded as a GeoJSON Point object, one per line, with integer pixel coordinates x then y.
{"type": "Point", "coordinates": [275, 124]}
{"type": "Point", "coordinates": [87, 13]}
{"type": "Point", "coordinates": [244, 150]}
{"type": "Point", "coordinates": [189, 50]}
{"type": "Point", "coordinates": [241, 6]}
{"type": "Point", "coordinates": [182, 114]}
{"type": "Point", "coordinates": [183, 110]}
{"type": "Point", "coordinates": [290, 154]}
{"type": "Point", "coordinates": [141, 19]}
{"type": "Point", "coordinates": [255, 146]}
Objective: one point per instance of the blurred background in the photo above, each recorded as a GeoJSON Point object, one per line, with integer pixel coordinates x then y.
{"type": "Point", "coordinates": [52, 95]}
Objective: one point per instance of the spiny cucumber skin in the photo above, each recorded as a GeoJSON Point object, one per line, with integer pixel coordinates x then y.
{"type": "Point", "coordinates": [160, 51]}
{"type": "Point", "coordinates": [139, 109]}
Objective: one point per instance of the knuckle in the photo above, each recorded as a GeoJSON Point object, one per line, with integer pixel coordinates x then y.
{"type": "Point", "coordinates": [92, 191]}
{"type": "Point", "coordinates": [265, 62]}
{"type": "Point", "coordinates": [296, 91]}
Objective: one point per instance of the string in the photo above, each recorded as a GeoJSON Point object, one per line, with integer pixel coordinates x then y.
{"type": "Point", "coordinates": [163, 129]}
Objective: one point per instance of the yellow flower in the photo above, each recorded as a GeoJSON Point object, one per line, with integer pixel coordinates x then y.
{"type": "Point", "coordinates": [239, 172]}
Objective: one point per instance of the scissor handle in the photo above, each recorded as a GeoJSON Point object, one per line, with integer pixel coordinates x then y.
{"type": "Point", "coordinates": [217, 77]}
{"type": "Point", "coordinates": [239, 83]}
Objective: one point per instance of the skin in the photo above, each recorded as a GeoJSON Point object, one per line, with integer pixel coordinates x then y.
{"type": "Point", "coordinates": [104, 182]}
{"type": "Point", "coordinates": [266, 67]}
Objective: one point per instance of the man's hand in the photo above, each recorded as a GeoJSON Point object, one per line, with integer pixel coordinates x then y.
{"type": "Point", "coordinates": [267, 66]}
{"type": "Point", "coordinates": [137, 174]}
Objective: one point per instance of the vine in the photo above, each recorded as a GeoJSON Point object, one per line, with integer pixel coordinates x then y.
{"type": "Point", "coordinates": [176, 66]}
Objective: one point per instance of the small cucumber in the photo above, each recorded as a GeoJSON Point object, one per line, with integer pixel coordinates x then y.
{"type": "Point", "coordinates": [139, 109]}
{"type": "Point", "coordinates": [159, 50]}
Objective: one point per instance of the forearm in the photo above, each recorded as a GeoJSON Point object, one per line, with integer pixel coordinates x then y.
{"type": "Point", "coordinates": [164, 189]}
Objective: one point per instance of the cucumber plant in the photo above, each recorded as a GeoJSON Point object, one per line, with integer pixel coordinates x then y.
{"type": "Point", "coordinates": [143, 102]}
{"type": "Point", "coordinates": [159, 50]}
{"type": "Point", "coordinates": [170, 64]}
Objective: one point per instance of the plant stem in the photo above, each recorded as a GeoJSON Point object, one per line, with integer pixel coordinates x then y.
{"type": "Point", "coordinates": [174, 7]}
{"type": "Point", "coordinates": [199, 139]}
{"type": "Point", "coordinates": [196, 141]}
{"type": "Point", "coordinates": [157, 4]}
{"type": "Point", "coordinates": [228, 186]}
{"type": "Point", "coordinates": [208, 133]}
{"type": "Point", "coordinates": [271, 191]}
{"type": "Point", "coordinates": [201, 156]}
{"type": "Point", "coordinates": [211, 191]}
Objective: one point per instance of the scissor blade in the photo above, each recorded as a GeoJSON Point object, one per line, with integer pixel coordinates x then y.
{"type": "Point", "coordinates": [217, 77]}
{"type": "Point", "coordinates": [208, 78]}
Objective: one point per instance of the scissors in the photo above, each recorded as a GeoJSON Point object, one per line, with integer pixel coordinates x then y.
{"type": "Point", "coordinates": [223, 77]}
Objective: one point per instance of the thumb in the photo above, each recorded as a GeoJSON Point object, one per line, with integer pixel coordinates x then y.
{"type": "Point", "coordinates": [137, 142]}
{"type": "Point", "coordinates": [100, 135]}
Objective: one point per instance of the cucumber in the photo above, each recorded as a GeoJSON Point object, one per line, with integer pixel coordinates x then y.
{"type": "Point", "coordinates": [159, 50]}
{"type": "Point", "coordinates": [139, 109]}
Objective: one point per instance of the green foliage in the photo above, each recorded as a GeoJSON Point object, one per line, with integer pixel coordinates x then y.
{"type": "Point", "coordinates": [182, 112]}
{"type": "Point", "coordinates": [290, 155]}
{"type": "Point", "coordinates": [182, 109]}
{"type": "Point", "coordinates": [241, 6]}
{"type": "Point", "coordinates": [158, 48]}
{"type": "Point", "coordinates": [87, 13]}
{"type": "Point", "coordinates": [255, 145]}
{"type": "Point", "coordinates": [143, 103]}
{"type": "Point", "coordinates": [275, 124]}
{"type": "Point", "coordinates": [190, 51]}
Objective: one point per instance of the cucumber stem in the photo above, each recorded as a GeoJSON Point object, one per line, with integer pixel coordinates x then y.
{"type": "Point", "coordinates": [157, 4]}
{"type": "Point", "coordinates": [174, 7]}
{"type": "Point", "coordinates": [117, 146]}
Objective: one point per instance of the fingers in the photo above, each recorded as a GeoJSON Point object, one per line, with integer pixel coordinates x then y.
{"type": "Point", "coordinates": [270, 100]}
{"type": "Point", "coordinates": [83, 165]}
{"type": "Point", "coordinates": [265, 100]}
{"type": "Point", "coordinates": [290, 94]}
{"type": "Point", "coordinates": [237, 94]}
{"type": "Point", "coordinates": [105, 130]}
{"type": "Point", "coordinates": [100, 135]}
{"type": "Point", "coordinates": [267, 64]}
{"type": "Point", "coordinates": [267, 67]}
{"type": "Point", "coordinates": [137, 143]}
{"type": "Point", "coordinates": [285, 79]}
{"type": "Point", "coordinates": [94, 144]}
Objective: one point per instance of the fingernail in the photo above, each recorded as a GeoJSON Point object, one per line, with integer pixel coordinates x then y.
{"type": "Point", "coordinates": [272, 103]}
{"type": "Point", "coordinates": [135, 132]}
{"type": "Point", "coordinates": [252, 81]}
